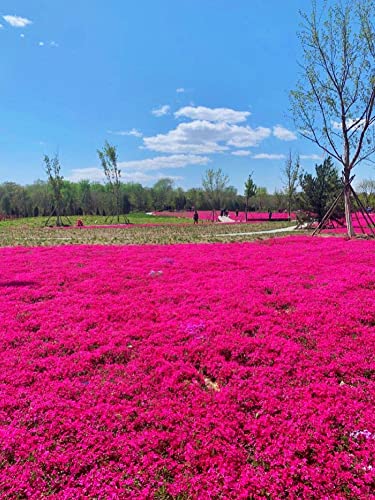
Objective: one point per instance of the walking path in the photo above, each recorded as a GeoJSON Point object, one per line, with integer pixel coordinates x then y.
{"type": "Point", "coordinates": [270, 231]}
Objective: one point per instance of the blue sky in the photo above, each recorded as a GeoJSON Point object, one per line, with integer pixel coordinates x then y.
{"type": "Point", "coordinates": [178, 85]}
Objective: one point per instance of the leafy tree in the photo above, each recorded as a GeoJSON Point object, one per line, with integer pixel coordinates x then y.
{"type": "Point", "coordinates": [262, 198]}
{"type": "Point", "coordinates": [195, 197]}
{"type": "Point", "coordinates": [56, 180]}
{"type": "Point", "coordinates": [38, 193]}
{"type": "Point", "coordinates": [71, 199]}
{"type": "Point", "coordinates": [333, 104]}
{"type": "Point", "coordinates": [179, 199]}
{"type": "Point", "coordinates": [366, 189]}
{"type": "Point", "coordinates": [162, 192]}
{"type": "Point", "coordinates": [139, 197]}
{"type": "Point", "coordinates": [279, 202]}
{"type": "Point", "coordinates": [15, 200]}
{"type": "Point", "coordinates": [84, 195]}
{"type": "Point", "coordinates": [320, 190]}
{"type": "Point", "coordinates": [215, 184]}
{"type": "Point", "coordinates": [250, 191]}
{"type": "Point", "coordinates": [290, 174]}
{"type": "Point", "coordinates": [109, 159]}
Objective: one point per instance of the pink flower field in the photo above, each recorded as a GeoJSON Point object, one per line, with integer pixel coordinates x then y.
{"type": "Point", "coordinates": [226, 371]}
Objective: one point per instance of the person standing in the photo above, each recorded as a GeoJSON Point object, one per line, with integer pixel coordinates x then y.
{"type": "Point", "coordinates": [195, 217]}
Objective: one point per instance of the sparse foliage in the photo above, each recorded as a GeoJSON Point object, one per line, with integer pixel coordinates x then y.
{"type": "Point", "coordinates": [333, 104]}
{"type": "Point", "coordinates": [56, 182]}
{"type": "Point", "coordinates": [290, 175]}
{"type": "Point", "coordinates": [109, 159]}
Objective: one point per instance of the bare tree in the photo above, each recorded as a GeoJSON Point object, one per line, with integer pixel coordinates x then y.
{"type": "Point", "coordinates": [290, 174]}
{"type": "Point", "coordinates": [333, 104]}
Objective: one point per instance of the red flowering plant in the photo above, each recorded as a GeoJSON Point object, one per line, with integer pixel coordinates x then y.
{"type": "Point", "coordinates": [188, 371]}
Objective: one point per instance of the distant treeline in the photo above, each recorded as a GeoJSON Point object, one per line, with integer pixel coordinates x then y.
{"type": "Point", "coordinates": [86, 198]}
{"type": "Point", "coordinates": [93, 198]}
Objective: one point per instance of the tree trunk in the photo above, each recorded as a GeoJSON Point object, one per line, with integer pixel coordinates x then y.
{"type": "Point", "coordinates": [348, 206]}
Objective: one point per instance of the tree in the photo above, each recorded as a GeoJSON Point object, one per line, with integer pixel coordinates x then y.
{"type": "Point", "coordinates": [39, 196]}
{"type": "Point", "coordinates": [279, 202]}
{"type": "Point", "coordinates": [333, 105]}
{"type": "Point", "coordinates": [250, 191]}
{"type": "Point", "coordinates": [262, 198]}
{"type": "Point", "coordinates": [162, 192]}
{"type": "Point", "coordinates": [290, 174]}
{"type": "Point", "coordinates": [56, 182]}
{"type": "Point", "coordinates": [320, 190]}
{"type": "Point", "coordinates": [215, 183]}
{"type": "Point", "coordinates": [366, 189]}
{"type": "Point", "coordinates": [84, 194]}
{"type": "Point", "coordinates": [109, 159]}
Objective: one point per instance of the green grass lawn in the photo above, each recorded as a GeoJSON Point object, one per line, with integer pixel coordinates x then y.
{"type": "Point", "coordinates": [32, 232]}
{"type": "Point", "coordinates": [93, 220]}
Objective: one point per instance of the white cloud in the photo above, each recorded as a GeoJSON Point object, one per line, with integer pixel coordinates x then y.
{"type": "Point", "coordinates": [144, 178]}
{"type": "Point", "coordinates": [311, 157]}
{"type": "Point", "coordinates": [135, 171]}
{"type": "Point", "coordinates": [22, 35]}
{"type": "Point", "coordinates": [41, 44]}
{"type": "Point", "coordinates": [92, 174]}
{"type": "Point", "coordinates": [133, 132]}
{"type": "Point", "coordinates": [96, 175]}
{"type": "Point", "coordinates": [268, 156]}
{"type": "Point", "coordinates": [212, 114]}
{"type": "Point", "coordinates": [16, 21]}
{"type": "Point", "coordinates": [161, 162]}
{"type": "Point", "coordinates": [180, 90]}
{"type": "Point", "coordinates": [203, 137]}
{"type": "Point", "coordinates": [349, 123]}
{"type": "Point", "coordinates": [283, 133]}
{"type": "Point", "coordinates": [241, 152]}
{"type": "Point", "coordinates": [1, 26]}
{"type": "Point", "coordinates": [52, 43]}
{"type": "Point", "coordinates": [163, 110]}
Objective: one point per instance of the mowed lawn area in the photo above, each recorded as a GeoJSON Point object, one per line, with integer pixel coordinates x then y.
{"type": "Point", "coordinates": [205, 371]}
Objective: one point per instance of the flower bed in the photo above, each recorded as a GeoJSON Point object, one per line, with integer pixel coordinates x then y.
{"type": "Point", "coordinates": [190, 371]}
{"type": "Point", "coordinates": [360, 225]}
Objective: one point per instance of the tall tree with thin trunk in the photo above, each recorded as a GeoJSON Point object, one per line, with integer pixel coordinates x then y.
{"type": "Point", "coordinates": [290, 175]}
{"type": "Point", "coordinates": [250, 191]}
{"type": "Point", "coordinates": [56, 181]}
{"type": "Point", "coordinates": [333, 104]}
{"type": "Point", "coordinates": [109, 159]}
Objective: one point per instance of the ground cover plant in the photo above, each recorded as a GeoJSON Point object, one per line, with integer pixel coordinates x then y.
{"type": "Point", "coordinates": [188, 371]}
{"type": "Point", "coordinates": [138, 233]}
